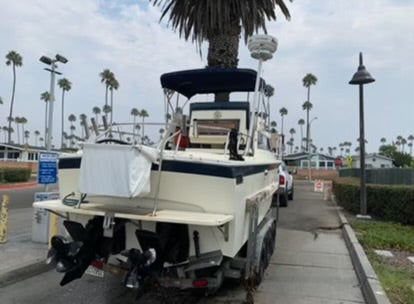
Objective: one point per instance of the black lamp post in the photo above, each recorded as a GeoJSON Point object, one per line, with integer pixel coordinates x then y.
{"type": "Point", "coordinates": [361, 77]}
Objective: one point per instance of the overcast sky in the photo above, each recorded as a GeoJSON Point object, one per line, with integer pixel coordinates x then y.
{"type": "Point", "coordinates": [323, 37]}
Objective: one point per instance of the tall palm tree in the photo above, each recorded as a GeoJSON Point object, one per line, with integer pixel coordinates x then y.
{"type": "Point", "coordinates": [269, 91]}
{"type": "Point", "coordinates": [273, 125]}
{"type": "Point", "coordinates": [66, 86]}
{"type": "Point", "coordinates": [143, 114]}
{"type": "Point", "coordinates": [26, 136]}
{"type": "Point", "coordinates": [283, 112]}
{"type": "Point", "coordinates": [106, 109]}
{"type": "Point", "coordinates": [383, 140]}
{"type": "Point", "coordinates": [23, 121]}
{"type": "Point", "coordinates": [72, 119]}
{"type": "Point", "coordinates": [308, 81]}
{"type": "Point", "coordinates": [45, 96]}
{"type": "Point", "coordinates": [113, 85]}
{"type": "Point", "coordinates": [411, 139]}
{"type": "Point", "coordinates": [134, 113]}
{"type": "Point", "coordinates": [106, 76]}
{"type": "Point", "coordinates": [96, 111]}
{"type": "Point", "coordinates": [36, 133]}
{"type": "Point", "coordinates": [15, 60]}
{"type": "Point", "coordinates": [17, 122]}
{"type": "Point", "coordinates": [221, 23]}
{"type": "Point", "coordinates": [403, 143]}
{"type": "Point", "coordinates": [292, 131]}
{"type": "Point", "coordinates": [1, 100]}
{"type": "Point", "coordinates": [301, 122]}
{"type": "Point", "coordinates": [82, 118]}
{"type": "Point", "coordinates": [161, 131]}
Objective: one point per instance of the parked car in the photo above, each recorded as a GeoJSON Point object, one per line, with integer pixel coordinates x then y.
{"type": "Point", "coordinates": [286, 188]}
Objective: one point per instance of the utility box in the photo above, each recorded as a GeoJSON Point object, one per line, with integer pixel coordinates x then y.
{"type": "Point", "coordinates": [40, 222]}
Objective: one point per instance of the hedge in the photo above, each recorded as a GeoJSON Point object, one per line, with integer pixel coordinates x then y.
{"type": "Point", "coordinates": [387, 202]}
{"type": "Point", "coordinates": [13, 175]}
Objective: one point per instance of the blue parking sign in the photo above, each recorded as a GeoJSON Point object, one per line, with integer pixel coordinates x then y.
{"type": "Point", "coordinates": [47, 168]}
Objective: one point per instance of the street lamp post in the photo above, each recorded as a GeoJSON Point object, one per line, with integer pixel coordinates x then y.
{"type": "Point", "coordinates": [52, 70]}
{"type": "Point", "coordinates": [361, 77]}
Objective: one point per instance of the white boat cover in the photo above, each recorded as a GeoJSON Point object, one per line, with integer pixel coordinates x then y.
{"type": "Point", "coordinates": [116, 170]}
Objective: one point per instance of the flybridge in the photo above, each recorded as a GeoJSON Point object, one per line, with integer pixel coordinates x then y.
{"type": "Point", "coordinates": [211, 80]}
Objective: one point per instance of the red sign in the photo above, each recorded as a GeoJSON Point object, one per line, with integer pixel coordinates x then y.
{"type": "Point", "coordinates": [338, 162]}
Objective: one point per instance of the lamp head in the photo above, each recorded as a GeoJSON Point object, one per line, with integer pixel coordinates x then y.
{"type": "Point", "coordinates": [362, 76]}
{"type": "Point", "coordinates": [61, 58]}
{"type": "Point", "coordinates": [46, 60]}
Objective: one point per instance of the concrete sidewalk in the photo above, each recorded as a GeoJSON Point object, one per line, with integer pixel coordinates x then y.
{"type": "Point", "coordinates": [19, 256]}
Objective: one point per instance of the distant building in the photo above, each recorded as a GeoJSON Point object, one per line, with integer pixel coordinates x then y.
{"type": "Point", "coordinates": [373, 160]}
{"type": "Point", "coordinates": [316, 160]}
{"type": "Point", "coordinates": [23, 153]}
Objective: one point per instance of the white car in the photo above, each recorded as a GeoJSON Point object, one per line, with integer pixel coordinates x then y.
{"type": "Point", "coordinates": [285, 185]}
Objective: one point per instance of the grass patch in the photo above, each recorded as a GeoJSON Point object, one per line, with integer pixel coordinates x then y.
{"type": "Point", "coordinates": [397, 281]}
{"type": "Point", "coordinates": [395, 274]}
{"type": "Point", "coordinates": [384, 235]}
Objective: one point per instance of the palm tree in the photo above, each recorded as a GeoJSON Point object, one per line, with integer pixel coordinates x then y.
{"type": "Point", "coordinates": [403, 142]}
{"type": "Point", "coordinates": [273, 124]}
{"type": "Point", "coordinates": [82, 118]}
{"type": "Point", "coordinates": [15, 60]}
{"type": "Point", "coordinates": [221, 24]}
{"type": "Point", "coordinates": [106, 76]}
{"type": "Point", "coordinates": [106, 109]}
{"type": "Point", "coordinates": [269, 91]}
{"type": "Point", "coordinates": [41, 139]}
{"type": "Point", "coordinates": [72, 119]}
{"type": "Point", "coordinates": [5, 131]}
{"type": "Point", "coordinates": [1, 100]}
{"type": "Point", "coordinates": [292, 131]}
{"type": "Point", "coordinates": [45, 96]}
{"type": "Point", "coordinates": [301, 122]}
{"type": "Point", "coordinates": [143, 114]}
{"type": "Point", "coordinates": [134, 113]}
{"type": "Point", "coordinates": [383, 140]}
{"type": "Point", "coordinates": [113, 85]}
{"type": "Point", "coordinates": [36, 133]}
{"type": "Point", "coordinates": [66, 86]}
{"type": "Point", "coordinates": [17, 122]}
{"type": "Point", "coordinates": [283, 112]}
{"type": "Point", "coordinates": [161, 131]}
{"type": "Point", "coordinates": [308, 81]}
{"type": "Point", "coordinates": [411, 139]}
{"type": "Point", "coordinates": [96, 111]}
{"type": "Point", "coordinates": [23, 121]}
{"type": "Point", "coordinates": [26, 136]}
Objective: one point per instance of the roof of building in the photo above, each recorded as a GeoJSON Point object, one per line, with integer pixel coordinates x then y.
{"type": "Point", "coordinates": [210, 80]}
{"type": "Point", "coordinates": [305, 155]}
{"type": "Point", "coordinates": [372, 155]}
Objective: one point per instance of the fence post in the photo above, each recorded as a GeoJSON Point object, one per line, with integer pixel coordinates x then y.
{"type": "Point", "coordinates": [4, 218]}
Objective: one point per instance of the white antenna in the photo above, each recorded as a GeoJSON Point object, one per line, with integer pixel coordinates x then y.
{"type": "Point", "coordinates": [262, 48]}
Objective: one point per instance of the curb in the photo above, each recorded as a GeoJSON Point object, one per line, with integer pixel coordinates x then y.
{"type": "Point", "coordinates": [24, 272]}
{"type": "Point", "coordinates": [370, 285]}
{"type": "Point", "coordinates": [18, 186]}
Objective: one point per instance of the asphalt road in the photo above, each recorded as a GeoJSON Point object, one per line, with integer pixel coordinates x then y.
{"type": "Point", "coordinates": [310, 265]}
{"type": "Point", "coordinates": [23, 198]}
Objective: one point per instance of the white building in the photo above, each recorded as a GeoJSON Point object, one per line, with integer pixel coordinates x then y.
{"type": "Point", "coordinates": [373, 161]}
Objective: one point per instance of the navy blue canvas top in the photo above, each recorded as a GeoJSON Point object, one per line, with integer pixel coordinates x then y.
{"type": "Point", "coordinates": [210, 80]}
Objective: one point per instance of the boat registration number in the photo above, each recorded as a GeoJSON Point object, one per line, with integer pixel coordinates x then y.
{"type": "Point", "coordinates": [96, 272]}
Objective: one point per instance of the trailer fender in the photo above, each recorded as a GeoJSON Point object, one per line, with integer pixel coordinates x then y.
{"type": "Point", "coordinates": [265, 226]}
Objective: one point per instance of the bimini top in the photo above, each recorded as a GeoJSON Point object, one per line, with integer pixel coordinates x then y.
{"type": "Point", "coordinates": [210, 80]}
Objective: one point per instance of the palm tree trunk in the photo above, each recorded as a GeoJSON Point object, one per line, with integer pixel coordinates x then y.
{"type": "Point", "coordinates": [223, 48]}
{"type": "Point", "coordinates": [63, 119]}
{"type": "Point", "coordinates": [36, 140]}
{"type": "Point", "coordinates": [18, 132]}
{"type": "Point", "coordinates": [307, 130]}
{"type": "Point", "coordinates": [301, 138]}
{"type": "Point", "coordinates": [11, 103]}
{"type": "Point", "coordinates": [106, 100]}
{"type": "Point", "coordinates": [112, 104]}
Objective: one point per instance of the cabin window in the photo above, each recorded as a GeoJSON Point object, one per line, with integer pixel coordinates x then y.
{"type": "Point", "coordinates": [216, 127]}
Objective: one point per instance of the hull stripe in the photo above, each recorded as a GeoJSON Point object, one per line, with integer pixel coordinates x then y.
{"type": "Point", "coordinates": [190, 168]}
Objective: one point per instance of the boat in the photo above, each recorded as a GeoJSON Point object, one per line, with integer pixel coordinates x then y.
{"type": "Point", "coordinates": [198, 207]}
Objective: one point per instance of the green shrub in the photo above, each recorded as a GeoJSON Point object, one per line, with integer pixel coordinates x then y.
{"type": "Point", "coordinates": [13, 175]}
{"type": "Point", "coordinates": [387, 202]}
{"type": "Point", "coordinates": [1, 175]}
